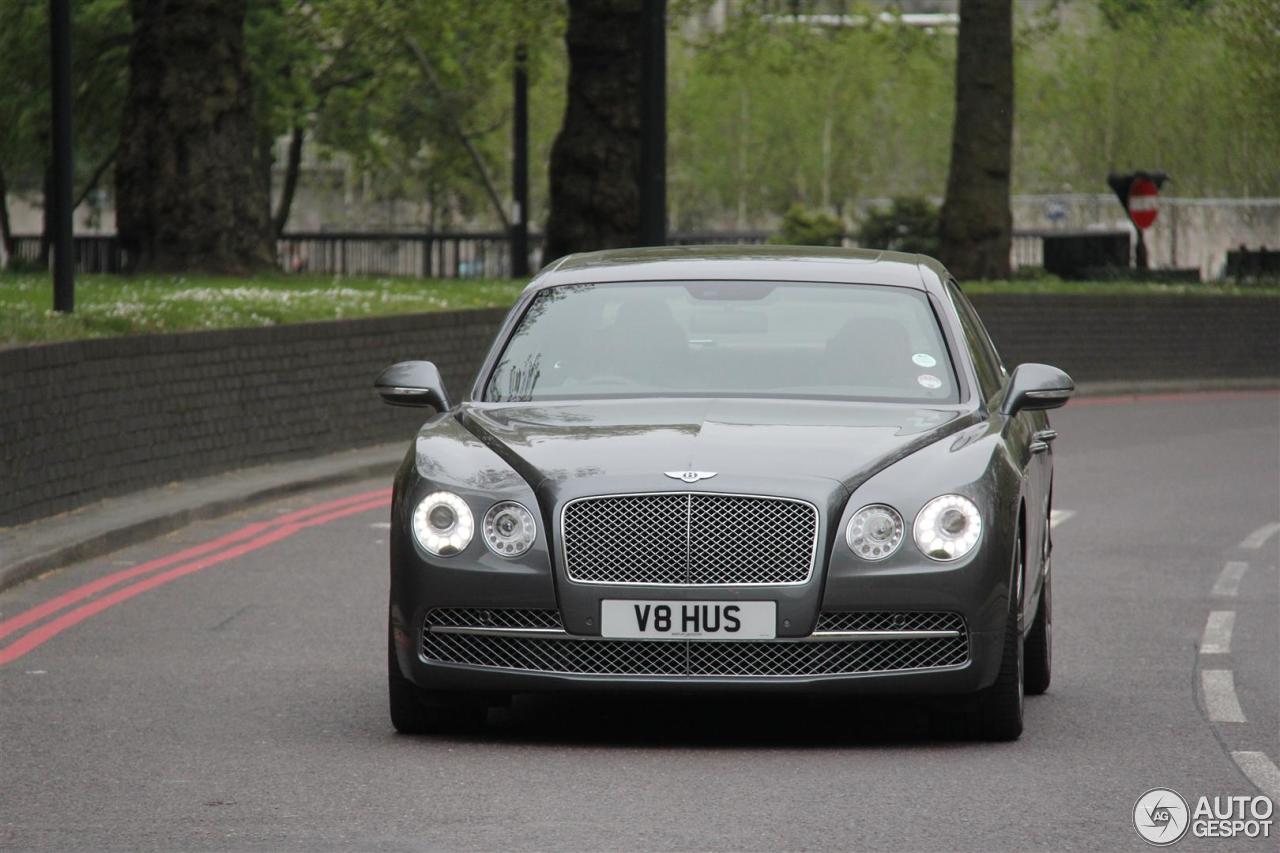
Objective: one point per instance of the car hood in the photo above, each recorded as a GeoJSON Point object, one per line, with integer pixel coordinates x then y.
{"type": "Point", "coordinates": [610, 446]}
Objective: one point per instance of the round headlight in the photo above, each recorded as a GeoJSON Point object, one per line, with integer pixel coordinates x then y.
{"type": "Point", "coordinates": [509, 529]}
{"type": "Point", "coordinates": [443, 524]}
{"type": "Point", "coordinates": [874, 532]}
{"type": "Point", "coordinates": [948, 527]}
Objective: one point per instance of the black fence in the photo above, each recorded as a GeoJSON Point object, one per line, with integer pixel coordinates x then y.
{"type": "Point", "coordinates": [439, 254]}
{"type": "Point", "coordinates": [94, 253]}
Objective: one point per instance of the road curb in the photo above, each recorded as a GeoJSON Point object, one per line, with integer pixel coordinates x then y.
{"type": "Point", "coordinates": [88, 532]}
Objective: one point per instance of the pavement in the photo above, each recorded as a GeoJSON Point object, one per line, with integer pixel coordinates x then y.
{"type": "Point", "coordinates": [222, 686]}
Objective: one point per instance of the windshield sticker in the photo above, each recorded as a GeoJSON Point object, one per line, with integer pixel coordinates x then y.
{"type": "Point", "coordinates": [928, 380]}
{"type": "Point", "coordinates": [924, 359]}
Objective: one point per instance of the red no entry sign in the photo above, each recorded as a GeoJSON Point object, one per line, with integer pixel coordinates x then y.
{"type": "Point", "coordinates": [1143, 205]}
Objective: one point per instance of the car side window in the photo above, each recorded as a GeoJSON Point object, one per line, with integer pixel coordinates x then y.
{"type": "Point", "coordinates": [986, 360]}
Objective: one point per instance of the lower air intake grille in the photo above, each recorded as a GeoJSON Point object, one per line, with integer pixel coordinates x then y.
{"type": "Point", "coordinates": [876, 620]}
{"type": "Point", "coordinates": [698, 658]}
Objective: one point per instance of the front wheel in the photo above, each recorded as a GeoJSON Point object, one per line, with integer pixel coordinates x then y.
{"type": "Point", "coordinates": [414, 711]}
{"type": "Point", "coordinates": [999, 714]}
{"type": "Point", "coordinates": [1039, 646]}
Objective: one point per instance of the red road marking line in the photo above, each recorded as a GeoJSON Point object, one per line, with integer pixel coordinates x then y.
{"type": "Point", "coordinates": [1172, 397]}
{"type": "Point", "coordinates": [53, 605]}
{"type": "Point", "coordinates": [71, 618]}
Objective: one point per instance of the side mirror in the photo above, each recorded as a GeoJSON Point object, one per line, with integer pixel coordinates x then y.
{"type": "Point", "coordinates": [1037, 386]}
{"type": "Point", "coordinates": [412, 383]}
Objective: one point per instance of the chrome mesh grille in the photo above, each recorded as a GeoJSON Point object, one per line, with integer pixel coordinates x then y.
{"type": "Point", "coordinates": [689, 538]}
{"type": "Point", "coordinates": [891, 621]}
{"type": "Point", "coordinates": [697, 658]}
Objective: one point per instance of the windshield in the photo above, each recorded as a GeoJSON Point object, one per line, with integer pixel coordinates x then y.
{"type": "Point", "coordinates": [766, 339]}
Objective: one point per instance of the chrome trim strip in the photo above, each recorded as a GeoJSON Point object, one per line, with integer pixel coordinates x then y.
{"type": "Point", "coordinates": [816, 636]}
{"type": "Point", "coordinates": [530, 633]}
{"type": "Point", "coordinates": [878, 635]}
{"type": "Point", "coordinates": [813, 548]}
{"type": "Point", "coordinates": [676, 678]}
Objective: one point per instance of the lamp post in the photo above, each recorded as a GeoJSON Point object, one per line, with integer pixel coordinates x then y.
{"type": "Point", "coordinates": [520, 168]}
{"type": "Point", "coordinates": [64, 286]}
{"type": "Point", "coordinates": [653, 127]}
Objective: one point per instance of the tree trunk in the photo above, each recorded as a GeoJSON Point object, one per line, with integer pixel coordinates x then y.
{"type": "Point", "coordinates": [976, 223]}
{"type": "Point", "coordinates": [189, 192]}
{"type": "Point", "coordinates": [595, 161]}
{"type": "Point", "coordinates": [292, 165]}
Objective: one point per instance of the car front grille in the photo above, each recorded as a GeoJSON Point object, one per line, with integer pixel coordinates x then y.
{"type": "Point", "coordinates": [689, 538]}
{"type": "Point", "coordinates": [546, 649]}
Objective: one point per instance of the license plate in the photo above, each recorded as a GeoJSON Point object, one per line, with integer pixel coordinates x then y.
{"type": "Point", "coordinates": [713, 620]}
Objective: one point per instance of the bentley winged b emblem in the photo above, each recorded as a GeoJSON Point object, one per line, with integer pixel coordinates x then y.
{"type": "Point", "coordinates": [690, 476]}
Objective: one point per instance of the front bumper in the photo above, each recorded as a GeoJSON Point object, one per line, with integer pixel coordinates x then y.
{"type": "Point", "coordinates": [510, 651]}
{"type": "Point", "coordinates": [573, 656]}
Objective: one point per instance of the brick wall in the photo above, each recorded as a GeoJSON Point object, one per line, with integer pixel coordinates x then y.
{"type": "Point", "coordinates": [1107, 338]}
{"type": "Point", "coordinates": [86, 420]}
{"type": "Point", "coordinates": [89, 419]}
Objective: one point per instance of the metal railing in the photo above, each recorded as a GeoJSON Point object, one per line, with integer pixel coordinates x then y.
{"type": "Point", "coordinates": [441, 254]}
{"type": "Point", "coordinates": [94, 253]}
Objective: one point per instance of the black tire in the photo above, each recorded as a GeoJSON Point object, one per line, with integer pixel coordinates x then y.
{"type": "Point", "coordinates": [1038, 664]}
{"type": "Point", "coordinates": [414, 711]}
{"type": "Point", "coordinates": [999, 713]}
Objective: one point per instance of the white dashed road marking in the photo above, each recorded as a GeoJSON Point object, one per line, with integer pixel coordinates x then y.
{"type": "Point", "coordinates": [1058, 516]}
{"type": "Point", "coordinates": [1217, 633]}
{"type": "Point", "coordinates": [1220, 696]}
{"type": "Point", "coordinates": [1228, 584]}
{"type": "Point", "coordinates": [381, 525]}
{"type": "Point", "coordinates": [1259, 537]}
{"type": "Point", "coordinates": [1261, 771]}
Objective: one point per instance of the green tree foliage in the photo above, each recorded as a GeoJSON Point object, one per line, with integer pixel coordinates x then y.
{"type": "Point", "coordinates": [908, 224]}
{"type": "Point", "coordinates": [365, 95]}
{"type": "Point", "coordinates": [98, 51]}
{"type": "Point", "coordinates": [1184, 90]}
{"type": "Point", "coordinates": [802, 227]}
{"type": "Point", "coordinates": [769, 113]}
{"type": "Point", "coordinates": [762, 114]}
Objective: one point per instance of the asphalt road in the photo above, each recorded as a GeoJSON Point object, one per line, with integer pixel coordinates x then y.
{"type": "Point", "coordinates": [237, 699]}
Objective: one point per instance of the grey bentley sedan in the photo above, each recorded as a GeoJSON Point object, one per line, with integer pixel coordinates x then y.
{"type": "Point", "coordinates": [727, 469]}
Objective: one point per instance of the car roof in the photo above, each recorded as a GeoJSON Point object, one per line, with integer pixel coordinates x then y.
{"type": "Point", "coordinates": [744, 263]}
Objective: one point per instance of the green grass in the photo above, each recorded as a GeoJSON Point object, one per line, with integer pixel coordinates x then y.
{"type": "Point", "coordinates": [108, 306]}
